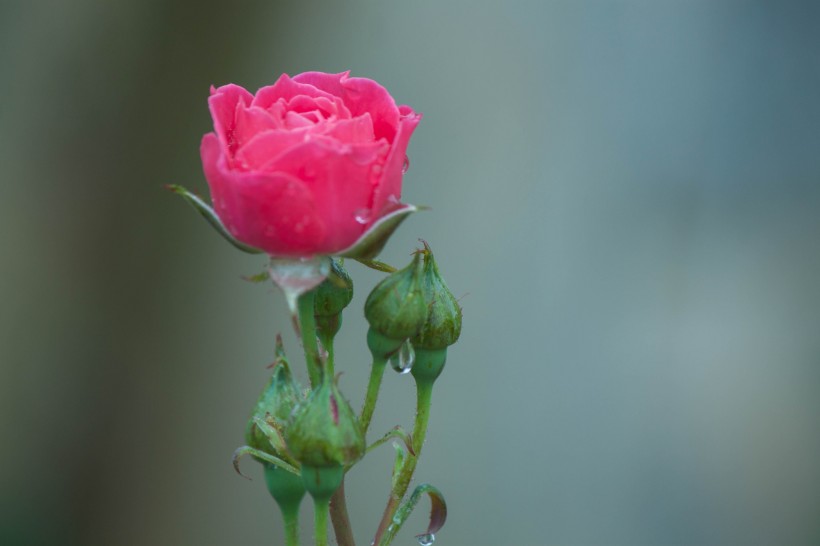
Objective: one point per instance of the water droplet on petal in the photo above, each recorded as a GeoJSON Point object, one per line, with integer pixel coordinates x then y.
{"type": "Point", "coordinates": [362, 216]}
{"type": "Point", "coordinates": [406, 166]}
{"type": "Point", "coordinates": [426, 540]}
{"type": "Point", "coordinates": [402, 360]}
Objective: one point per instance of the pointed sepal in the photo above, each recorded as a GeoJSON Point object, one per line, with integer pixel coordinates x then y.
{"type": "Point", "coordinates": [373, 240]}
{"type": "Point", "coordinates": [208, 213]}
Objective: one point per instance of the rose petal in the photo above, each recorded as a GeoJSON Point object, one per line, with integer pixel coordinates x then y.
{"type": "Point", "coordinates": [265, 147]}
{"type": "Point", "coordinates": [356, 130]}
{"type": "Point", "coordinates": [390, 187]}
{"type": "Point", "coordinates": [340, 178]}
{"type": "Point", "coordinates": [250, 122]}
{"type": "Point", "coordinates": [360, 95]}
{"type": "Point", "coordinates": [286, 88]}
{"type": "Point", "coordinates": [223, 103]}
{"type": "Point", "coordinates": [271, 211]}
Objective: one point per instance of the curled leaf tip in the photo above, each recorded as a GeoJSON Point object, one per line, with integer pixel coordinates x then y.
{"type": "Point", "coordinates": [235, 460]}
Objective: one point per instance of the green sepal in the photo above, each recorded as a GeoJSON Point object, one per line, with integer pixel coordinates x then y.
{"type": "Point", "coordinates": [208, 213]}
{"type": "Point", "coordinates": [397, 433]}
{"type": "Point", "coordinates": [286, 488]}
{"type": "Point", "coordinates": [266, 457]}
{"type": "Point", "coordinates": [438, 514]}
{"type": "Point", "coordinates": [373, 240]}
{"type": "Point", "coordinates": [377, 265]}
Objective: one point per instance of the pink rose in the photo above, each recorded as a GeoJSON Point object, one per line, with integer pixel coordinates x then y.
{"type": "Point", "coordinates": [308, 164]}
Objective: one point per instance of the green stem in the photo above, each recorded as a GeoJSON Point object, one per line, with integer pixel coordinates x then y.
{"type": "Point", "coordinates": [386, 531]}
{"type": "Point", "coordinates": [340, 519]}
{"type": "Point", "coordinates": [327, 343]}
{"type": "Point", "coordinates": [291, 517]}
{"type": "Point", "coordinates": [307, 329]}
{"type": "Point", "coordinates": [376, 374]}
{"type": "Point", "coordinates": [320, 508]}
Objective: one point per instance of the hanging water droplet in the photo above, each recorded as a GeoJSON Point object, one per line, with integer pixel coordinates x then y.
{"type": "Point", "coordinates": [426, 540]}
{"type": "Point", "coordinates": [406, 166]}
{"type": "Point", "coordinates": [402, 360]}
{"type": "Point", "coordinates": [362, 216]}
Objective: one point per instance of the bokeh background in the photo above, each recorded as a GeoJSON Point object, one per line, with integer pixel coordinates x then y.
{"type": "Point", "coordinates": [626, 195]}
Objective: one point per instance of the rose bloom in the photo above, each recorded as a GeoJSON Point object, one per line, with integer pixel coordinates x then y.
{"type": "Point", "coordinates": [308, 164]}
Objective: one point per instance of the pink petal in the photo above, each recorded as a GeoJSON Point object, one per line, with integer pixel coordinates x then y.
{"type": "Point", "coordinates": [360, 95]}
{"type": "Point", "coordinates": [390, 188]}
{"type": "Point", "coordinates": [356, 130]}
{"type": "Point", "coordinates": [286, 88]}
{"type": "Point", "coordinates": [250, 122]}
{"type": "Point", "coordinates": [265, 147]}
{"type": "Point", "coordinates": [271, 211]}
{"type": "Point", "coordinates": [340, 176]}
{"type": "Point", "coordinates": [223, 104]}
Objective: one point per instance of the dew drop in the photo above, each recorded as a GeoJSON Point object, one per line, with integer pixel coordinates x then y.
{"type": "Point", "coordinates": [402, 361]}
{"type": "Point", "coordinates": [362, 216]}
{"type": "Point", "coordinates": [426, 540]}
{"type": "Point", "coordinates": [406, 166]}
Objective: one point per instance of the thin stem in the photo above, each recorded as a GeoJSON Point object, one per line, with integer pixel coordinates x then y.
{"type": "Point", "coordinates": [373, 386]}
{"type": "Point", "coordinates": [386, 531]}
{"type": "Point", "coordinates": [320, 512]}
{"type": "Point", "coordinates": [307, 328]}
{"type": "Point", "coordinates": [340, 519]}
{"type": "Point", "coordinates": [291, 517]}
{"type": "Point", "coordinates": [327, 344]}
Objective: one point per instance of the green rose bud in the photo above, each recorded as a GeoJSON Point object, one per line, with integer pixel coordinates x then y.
{"type": "Point", "coordinates": [274, 406]}
{"type": "Point", "coordinates": [324, 430]}
{"type": "Point", "coordinates": [396, 309]}
{"type": "Point", "coordinates": [332, 296]}
{"type": "Point", "coordinates": [443, 324]}
{"type": "Point", "coordinates": [442, 327]}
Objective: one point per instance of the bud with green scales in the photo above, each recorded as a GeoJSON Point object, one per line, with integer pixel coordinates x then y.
{"type": "Point", "coordinates": [442, 326]}
{"type": "Point", "coordinates": [325, 437]}
{"type": "Point", "coordinates": [264, 432]}
{"type": "Point", "coordinates": [396, 309]}
{"type": "Point", "coordinates": [274, 406]}
{"type": "Point", "coordinates": [332, 296]}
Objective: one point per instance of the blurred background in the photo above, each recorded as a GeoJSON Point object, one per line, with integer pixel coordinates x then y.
{"type": "Point", "coordinates": [626, 195]}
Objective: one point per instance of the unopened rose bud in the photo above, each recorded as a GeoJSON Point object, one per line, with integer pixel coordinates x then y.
{"type": "Point", "coordinates": [323, 435]}
{"type": "Point", "coordinates": [332, 296]}
{"type": "Point", "coordinates": [274, 406]}
{"type": "Point", "coordinates": [443, 324]}
{"type": "Point", "coordinates": [396, 309]}
{"type": "Point", "coordinates": [442, 327]}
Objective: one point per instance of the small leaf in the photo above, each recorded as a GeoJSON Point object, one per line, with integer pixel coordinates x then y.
{"type": "Point", "coordinates": [398, 433]}
{"type": "Point", "coordinates": [248, 450]}
{"type": "Point", "coordinates": [377, 265]}
{"type": "Point", "coordinates": [208, 213]}
{"type": "Point", "coordinates": [438, 512]}
{"type": "Point", "coordinates": [373, 240]}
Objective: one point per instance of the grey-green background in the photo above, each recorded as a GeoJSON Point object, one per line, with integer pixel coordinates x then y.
{"type": "Point", "coordinates": [626, 195]}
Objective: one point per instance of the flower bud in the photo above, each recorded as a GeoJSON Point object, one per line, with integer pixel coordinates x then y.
{"type": "Point", "coordinates": [324, 430]}
{"type": "Point", "coordinates": [332, 296]}
{"type": "Point", "coordinates": [442, 327]}
{"type": "Point", "coordinates": [275, 404]}
{"type": "Point", "coordinates": [396, 309]}
{"type": "Point", "coordinates": [443, 324]}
